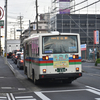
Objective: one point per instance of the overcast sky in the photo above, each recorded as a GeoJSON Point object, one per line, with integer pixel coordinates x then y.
{"type": "Point", "coordinates": [27, 9]}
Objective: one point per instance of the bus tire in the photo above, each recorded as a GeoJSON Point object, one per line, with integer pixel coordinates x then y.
{"type": "Point", "coordinates": [34, 80]}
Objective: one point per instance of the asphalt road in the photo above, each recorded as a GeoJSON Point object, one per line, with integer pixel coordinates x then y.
{"type": "Point", "coordinates": [85, 88]}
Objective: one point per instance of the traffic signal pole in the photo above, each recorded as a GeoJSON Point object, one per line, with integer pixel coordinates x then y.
{"type": "Point", "coordinates": [5, 55]}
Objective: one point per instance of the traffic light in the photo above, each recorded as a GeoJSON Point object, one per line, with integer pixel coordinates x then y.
{"type": "Point", "coordinates": [1, 36]}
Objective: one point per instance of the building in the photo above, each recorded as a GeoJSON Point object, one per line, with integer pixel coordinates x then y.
{"type": "Point", "coordinates": [42, 26]}
{"type": "Point", "coordinates": [84, 24]}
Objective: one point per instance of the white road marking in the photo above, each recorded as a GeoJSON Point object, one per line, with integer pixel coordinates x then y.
{"type": "Point", "coordinates": [93, 91]}
{"type": "Point", "coordinates": [19, 97]}
{"type": "Point", "coordinates": [42, 96]}
{"type": "Point", "coordinates": [64, 90]}
{"type": "Point", "coordinates": [6, 87]}
{"type": "Point", "coordinates": [26, 99]}
{"type": "Point", "coordinates": [8, 96]}
{"type": "Point", "coordinates": [12, 96]}
{"type": "Point", "coordinates": [92, 88]}
{"type": "Point", "coordinates": [1, 77]}
{"type": "Point", "coordinates": [97, 98]}
{"type": "Point", "coordinates": [21, 89]}
{"type": "Point", "coordinates": [3, 97]}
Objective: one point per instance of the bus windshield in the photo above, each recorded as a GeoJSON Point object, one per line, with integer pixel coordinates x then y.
{"type": "Point", "coordinates": [59, 44]}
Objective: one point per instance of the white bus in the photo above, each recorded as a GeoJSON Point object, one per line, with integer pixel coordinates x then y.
{"type": "Point", "coordinates": [52, 56]}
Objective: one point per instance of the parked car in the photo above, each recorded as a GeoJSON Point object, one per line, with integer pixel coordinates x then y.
{"type": "Point", "coordinates": [20, 62]}
{"type": "Point", "coordinates": [17, 56]}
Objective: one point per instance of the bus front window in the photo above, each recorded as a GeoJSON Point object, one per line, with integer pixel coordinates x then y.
{"type": "Point", "coordinates": [60, 44]}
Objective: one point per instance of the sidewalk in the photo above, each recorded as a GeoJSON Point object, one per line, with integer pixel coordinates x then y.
{"type": "Point", "coordinates": [8, 81]}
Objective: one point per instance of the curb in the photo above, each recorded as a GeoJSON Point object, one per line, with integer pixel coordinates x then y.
{"type": "Point", "coordinates": [11, 67]}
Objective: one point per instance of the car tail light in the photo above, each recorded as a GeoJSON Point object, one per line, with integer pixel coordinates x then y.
{"type": "Point", "coordinates": [7, 54]}
{"type": "Point", "coordinates": [77, 69]}
{"type": "Point", "coordinates": [21, 61]}
{"type": "Point", "coordinates": [44, 70]}
{"type": "Point", "coordinates": [16, 56]}
{"type": "Point", "coordinates": [75, 56]}
{"type": "Point", "coordinates": [45, 57]}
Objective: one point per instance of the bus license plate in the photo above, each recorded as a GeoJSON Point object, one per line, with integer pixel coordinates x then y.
{"type": "Point", "coordinates": [61, 69]}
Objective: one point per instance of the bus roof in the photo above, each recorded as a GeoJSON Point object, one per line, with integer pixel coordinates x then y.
{"type": "Point", "coordinates": [36, 35]}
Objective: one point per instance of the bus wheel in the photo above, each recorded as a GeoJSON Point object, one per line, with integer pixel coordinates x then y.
{"type": "Point", "coordinates": [34, 80]}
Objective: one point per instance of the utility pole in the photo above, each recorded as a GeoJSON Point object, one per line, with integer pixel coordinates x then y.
{"type": "Point", "coordinates": [20, 22]}
{"type": "Point", "coordinates": [37, 16]}
{"type": "Point", "coordinates": [5, 56]}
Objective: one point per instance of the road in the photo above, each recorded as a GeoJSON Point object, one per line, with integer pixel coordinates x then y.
{"type": "Point", "coordinates": [85, 88]}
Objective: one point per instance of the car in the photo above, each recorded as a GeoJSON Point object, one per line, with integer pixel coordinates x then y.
{"type": "Point", "coordinates": [13, 54]}
{"type": "Point", "coordinates": [20, 62]}
{"type": "Point", "coordinates": [17, 56]}
{"type": "Point", "coordinates": [9, 55]}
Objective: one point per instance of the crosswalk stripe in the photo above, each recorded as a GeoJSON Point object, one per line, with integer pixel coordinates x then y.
{"type": "Point", "coordinates": [19, 97]}
{"type": "Point", "coordinates": [26, 99]}
{"type": "Point", "coordinates": [3, 97]}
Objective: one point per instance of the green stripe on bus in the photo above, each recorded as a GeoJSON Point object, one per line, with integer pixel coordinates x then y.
{"type": "Point", "coordinates": [47, 64]}
{"type": "Point", "coordinates": [74, 63]}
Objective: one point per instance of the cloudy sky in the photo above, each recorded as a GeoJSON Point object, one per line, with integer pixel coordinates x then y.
{"type": "Point", "coordinates": [27, 9]}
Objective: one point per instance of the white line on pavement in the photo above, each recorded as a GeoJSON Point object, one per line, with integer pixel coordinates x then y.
{"type": "Point", "coordinates": [93, 91]}
{"type": "Point", "coordinates": [12, 96]}
{"type": "Point", "coordinates": [92, 88]}
{"type": "Point", "coordinates": [64, 90]}
{"type": "Point", "coordinates": [3, 97]}
{"type": "Point", "coordinates": [21, 89]}
{"type": "Point", "coordinates": [6, 87]}
{"type": "Point", "coordinates": [42, 96]}
{"type": "Point", "coordinates": [19, 97]}
{"type": "Point", "coordinates": [8, 96]}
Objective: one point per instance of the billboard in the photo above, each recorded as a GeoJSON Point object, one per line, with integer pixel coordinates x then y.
{"type": "Point", "coordinates": [96, 37]}
{"type": "Point", "coordinates": [64, 6]}
{"type": "Point", "coordinates": [83, 47]}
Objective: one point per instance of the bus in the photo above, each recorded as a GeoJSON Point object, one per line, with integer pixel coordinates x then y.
{"type": "Point", "coordinates": [52, 56]}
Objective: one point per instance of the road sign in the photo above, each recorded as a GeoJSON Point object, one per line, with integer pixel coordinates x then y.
{"type": "Point", "coordinates": [83, 47]}
{"type": "Point", "coordinates": [1, 22]}
{"type": "Point", "coordinates": [1, 13]}
{"type": "Point", "coordinates": [96, 37]}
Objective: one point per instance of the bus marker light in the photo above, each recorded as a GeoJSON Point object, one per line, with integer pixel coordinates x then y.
{"type": "Point", "coordinates": [80, 74]}
{"type": "Point", "coordinates": [75, 56]}
{"type": "Point", "coordinates": [77, 69]}
{"type": "Point", "coordinates": [45, 57]}
{"type": "Point", "coordinates": [44, 70]}
{"type": "Point", "coordinates": [42, 76]}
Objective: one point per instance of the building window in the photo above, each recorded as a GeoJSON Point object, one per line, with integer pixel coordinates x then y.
{"type": "Point", "coordinates": [40, 27]}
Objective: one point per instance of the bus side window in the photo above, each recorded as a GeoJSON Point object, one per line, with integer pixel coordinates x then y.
{"type": "Point", "coordinates": [37, 47]}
